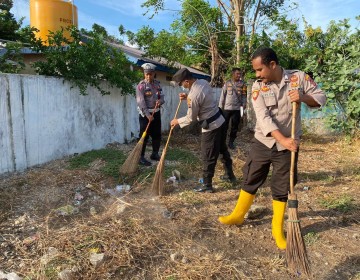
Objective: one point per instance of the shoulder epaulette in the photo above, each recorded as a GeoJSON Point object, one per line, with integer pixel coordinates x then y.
{"type": "Point", "coordinates": [293, 71]}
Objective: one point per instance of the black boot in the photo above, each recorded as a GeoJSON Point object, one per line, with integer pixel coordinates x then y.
{"type": "Point", "coordinates": [228, 178]}
{"type": "Point", "coordinates": [144, 161]}
{"type": "Point", "coordinates": [205, 187]}
{"type": "Point", "coordinates": [229, 175]}
{"type": "Point", "coordinates": [155, 156]}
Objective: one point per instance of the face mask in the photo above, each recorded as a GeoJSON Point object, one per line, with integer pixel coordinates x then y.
{"type": "Point", "coordinates": [184, 89]}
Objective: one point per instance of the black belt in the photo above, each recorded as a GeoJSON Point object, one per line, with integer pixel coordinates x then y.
{"type": "Point", "coordinates": [205, 123]}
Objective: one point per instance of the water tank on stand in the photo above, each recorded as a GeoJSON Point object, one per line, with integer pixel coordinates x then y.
{"type": "Point", "coordinates": [51, 15]}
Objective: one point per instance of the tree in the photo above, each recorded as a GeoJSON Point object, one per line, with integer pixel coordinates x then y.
{"type": "Point", "coordinates": [101, 31]}
{"type": "Point", "coordinates": [335, 67]}
{"type": "Point", "coordinates": [85, 64]}
{"type": "Point", "coordinates": [210, 32]}
{"type": "Point", "coordinates": [11, 61]}
{"type": "Point", "coordinates": [8, 24]}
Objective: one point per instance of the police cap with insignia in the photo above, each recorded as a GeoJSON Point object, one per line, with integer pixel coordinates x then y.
{"type": "Point", "coordinates": [148, 67]}
{"type": "Point", "coordinates": [181, 75]}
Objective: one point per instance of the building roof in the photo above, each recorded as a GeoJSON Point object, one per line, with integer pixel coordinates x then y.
{"type": "Point", "coordinates": [138, 57]}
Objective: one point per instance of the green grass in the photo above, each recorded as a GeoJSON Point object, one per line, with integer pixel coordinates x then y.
{"type": "Point", "coordinates": [182, 156]}
{"type": "Point", "coordinates": [187, 163]}
{"type": "Point", "coordinates": [311, 237]}
{"type": "Point", "coordinates": [113, 160]}
{"type": "Point", "coordinates": [343, 203]}
{"type": "Point", "coordinates": [191, 197]}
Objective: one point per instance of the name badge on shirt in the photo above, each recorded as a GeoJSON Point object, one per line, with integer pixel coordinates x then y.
{"type": "Point", "coordinates": [268, 94]}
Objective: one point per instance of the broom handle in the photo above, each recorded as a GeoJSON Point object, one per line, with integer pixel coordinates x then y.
{"type": "Point", "coordinates": [147, 127]}
{"type": "Point", "coordinates": [292, 166]}
{"type": "Point", "coordinates": [171, 129]}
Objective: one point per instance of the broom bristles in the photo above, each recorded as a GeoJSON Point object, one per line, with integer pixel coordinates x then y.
{"type": "Point", "coordinates": [158, 183]}
{"type": "Point", "coordinates": [130, 165]}
{"type": "Point", "coordinates": [296, 255]}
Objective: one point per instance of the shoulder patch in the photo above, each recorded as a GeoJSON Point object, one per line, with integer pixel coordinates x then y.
{"type": "Point", "coordinates": [294, 78]}
{"type": "Point", "coordinates": [188, 102]}
{"type": "Point", "coordinates": [309, 79]}
{"type": "Point", "coordinates": [255, 94]}
{"type": "Point", "coordinates": [265, 88]}
{"type": "Point", "coordinates": [294, 84]}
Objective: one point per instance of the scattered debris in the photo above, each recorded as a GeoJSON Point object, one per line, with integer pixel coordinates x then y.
{"type": "Point", "coordinates": [66, 210]}
{"type": "Point", "coordinates": [123, 188]}
{"type": "Point", "coordinates": [51, 254]}
{"type": "Point", "coordinates": [67, 274]}
{"type": "Point", "coordinates": [9, 276]}
{"type": "Point", "coordinates": [176, 174]}
{"type": "Point", "coordinates": [31, 239]}
{"type": "Point", "coordinates": [97, 259]}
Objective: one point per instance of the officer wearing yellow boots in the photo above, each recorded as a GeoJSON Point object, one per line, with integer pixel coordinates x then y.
{"type": "Point", "coordinates": [272, 95]}
{"type": "Point", "coordinates": [149, 98]}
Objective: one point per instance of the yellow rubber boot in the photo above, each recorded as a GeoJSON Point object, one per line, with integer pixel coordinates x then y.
{"type": "Point", "coordinates": [278, 224]}
{"type": "Point", "coordinates": [237, 216]}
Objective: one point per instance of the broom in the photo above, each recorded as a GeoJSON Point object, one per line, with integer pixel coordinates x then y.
{"type": "Point", "coordinates": [296, 256]}
{"type": "Point", "coordinates": [130, 165]}
{"type": "Point", "coordinates": [158, 183]}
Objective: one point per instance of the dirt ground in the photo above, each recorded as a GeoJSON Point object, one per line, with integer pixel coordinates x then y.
{"type": "Point", "coordinates": [137, 235]}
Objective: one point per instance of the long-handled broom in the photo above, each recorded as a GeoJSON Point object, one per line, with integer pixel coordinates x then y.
{"type": "Point", "coordinates": [296, 256]}
{"type": "Point", "coordinates": [130, 165]}
{"type": "Point", "coordinates": [158, 183]}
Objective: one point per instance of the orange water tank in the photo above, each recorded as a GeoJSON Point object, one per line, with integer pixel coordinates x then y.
{"type": "Point", "coordinates": [51, 15]}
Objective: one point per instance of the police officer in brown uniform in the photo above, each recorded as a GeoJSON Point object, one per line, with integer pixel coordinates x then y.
{"type": "Point", "coordinates": [202, 106]}
{"type": "Point", "coordinates": [149, 98]}
{"type": "Point", "coordinates": [272, 95]}
{"type": "Point", "coordinates": [232, 98]}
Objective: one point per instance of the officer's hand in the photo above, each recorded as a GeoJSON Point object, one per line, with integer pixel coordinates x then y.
{"type": "Point", "coordinates": [294, 95]}
{"type": "Point", "coordinates": [183, 96]}
{"type": "Point", "coordinates": [174, 122]}
{"type": "Point", "coordinates": [157, 103]}
{"type": "Point", "coordinates": [150, 118]}
{"type": "Point", "coordinates": [290, 144]}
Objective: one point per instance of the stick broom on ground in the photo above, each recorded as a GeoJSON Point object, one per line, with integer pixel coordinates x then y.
{"type": "Point", "coordinates": [130, 165]}
{"type": "Point", "coordinates": [158, 183]}
{"type": "Point", "coordinates": [296, 256]}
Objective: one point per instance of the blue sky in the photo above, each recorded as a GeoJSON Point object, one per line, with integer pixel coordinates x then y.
{"type": "Point", "coordinates": [112, 13]}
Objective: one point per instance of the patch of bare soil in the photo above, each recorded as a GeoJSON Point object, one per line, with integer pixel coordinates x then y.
{"type": "Point", "coordinates": [59, 222]}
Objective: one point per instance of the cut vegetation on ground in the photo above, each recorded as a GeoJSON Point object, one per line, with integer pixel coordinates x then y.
{"type": "Point", "coordinates": [77, 217]}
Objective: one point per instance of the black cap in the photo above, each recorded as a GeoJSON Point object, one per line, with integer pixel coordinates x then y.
{"type": "Point", "coordinates": [181, 75]}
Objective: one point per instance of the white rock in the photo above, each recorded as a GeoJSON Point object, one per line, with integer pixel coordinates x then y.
{"type": "Point", "coordinates": [120, 208]}
{"type": "Point", "coordinates": [173, 257]}
{"type": "Point", "coordinates": [9, 276]}
{"type": "Point", "coordinates": [52, 253]}
{"type": "Point", "coordinates": [96, 259]}
{"type": "Point", "coordinates": [66, 274]}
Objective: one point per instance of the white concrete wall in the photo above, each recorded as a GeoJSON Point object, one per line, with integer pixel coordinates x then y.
{"type": "Point", "coordinates": [43, 118]}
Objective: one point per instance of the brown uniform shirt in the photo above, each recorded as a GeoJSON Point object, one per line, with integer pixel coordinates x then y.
{"type": "Point", "coordinates": [202, 105]}
{"type": "Point", "coordinates": [146, 96]}
{"type": "Point", "coordinates": [273, 108]}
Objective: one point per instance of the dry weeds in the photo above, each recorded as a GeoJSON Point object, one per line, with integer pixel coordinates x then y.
{"type": "Point", "coordinates": [176, 236]}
